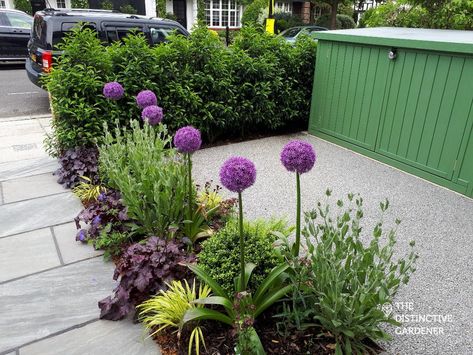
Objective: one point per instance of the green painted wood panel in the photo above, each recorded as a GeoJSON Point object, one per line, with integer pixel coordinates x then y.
{"type": "Point", "coordinates": [416, 110]}
{"type": "Point", "coordinates": [439, 120]}
{"type": "Point", "coordinates": [350, 88]}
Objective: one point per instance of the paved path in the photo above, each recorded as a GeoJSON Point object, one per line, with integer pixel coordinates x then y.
{"type": "Point", "coordinates": [49, 283]}
{"type": "Point", "coordinates": [18, 95]}
{"type": "Point", "coordinates": [439, 220]}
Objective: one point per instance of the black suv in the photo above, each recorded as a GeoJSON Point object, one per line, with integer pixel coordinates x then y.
{"type": "Point", "coordinates": [15, 29]}
{"type": "Point", "coordinates": [50, 26]}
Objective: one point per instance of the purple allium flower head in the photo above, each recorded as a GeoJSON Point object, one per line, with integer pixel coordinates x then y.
{"type": "Point", "coordinates": [187, 139]}
{"type": "Point", "coordinates": [113, 91]}
{"type": "Point", "coordinates": [101, 197]}
{"type": "Point", "coordinates": [152, 114]}
{"type": "Point", "coordinates": [298, 156]}
{"type": "Point", "coordinates": [237, 174]}
{"type": "Point", "coordinates": [146, 98]}
{"type": "Point", "coordinates": [81, 236]}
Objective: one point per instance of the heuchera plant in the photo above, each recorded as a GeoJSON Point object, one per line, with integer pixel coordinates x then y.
{"type": "Point", "coordinates": [107, 212]}
{"type": "Point", "coordinates": [144, 270]}
{"type": "Point", "coordinates": [77, 162]}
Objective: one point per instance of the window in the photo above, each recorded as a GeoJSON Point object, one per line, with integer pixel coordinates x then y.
{"type": "Point", "coordinates": [2, 4]}
{"type": "Point", "coordinates": [19, 20]}
{"type": "Point", "coordinates": [222, 13]}
{"type": "Point", "coordinates": [118, 33]}
{"type": "Point", "coordinates": [61, 4]}
{"type": "Point", "coordinates": [283, 7]}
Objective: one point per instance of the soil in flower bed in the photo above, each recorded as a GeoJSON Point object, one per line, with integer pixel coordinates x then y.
{"type": "Point", "coordinates": [220, 340]}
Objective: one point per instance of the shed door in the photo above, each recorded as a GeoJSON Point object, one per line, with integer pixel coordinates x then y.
{"type": "Point", "coordinates": [349, 93]}
{"type": "Point", "coordinates": [426, 110]}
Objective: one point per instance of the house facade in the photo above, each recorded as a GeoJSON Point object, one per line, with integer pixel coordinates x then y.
{"type": "Point", "coordinates": [57, 4]}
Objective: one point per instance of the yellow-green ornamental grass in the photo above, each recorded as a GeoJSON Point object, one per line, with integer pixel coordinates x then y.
{"type": "Point", "coordinates": [167, 309]}
{"type": "Point", "coordinates": [87, 191]}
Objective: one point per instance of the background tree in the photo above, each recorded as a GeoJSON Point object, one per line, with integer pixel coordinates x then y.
{"type": "Point", "coordinates": [23, 5]}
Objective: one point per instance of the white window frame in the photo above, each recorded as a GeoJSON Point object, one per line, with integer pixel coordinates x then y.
{"type": "Point", "coordinates": [62, 1]}
{"type": "Point", "coordinates": [282, 6]}
{"type": "Point", "coordinates": [214, 10]}
{"type": "Point", "coordinates": [3, 4]}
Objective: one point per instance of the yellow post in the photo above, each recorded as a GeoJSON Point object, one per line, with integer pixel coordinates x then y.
{"type": "Point", "coordinates": [270, 22]}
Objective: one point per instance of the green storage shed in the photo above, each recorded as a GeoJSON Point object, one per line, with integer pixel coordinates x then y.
{"type": "Point", "coordinates": [400, 95]}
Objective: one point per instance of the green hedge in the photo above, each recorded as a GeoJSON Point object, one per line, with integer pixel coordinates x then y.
{"type": "Point", "coordinates": [259, 84]}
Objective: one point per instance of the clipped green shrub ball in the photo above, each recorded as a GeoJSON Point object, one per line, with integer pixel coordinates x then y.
{"type": "Point", "coordinates": [220, 255]}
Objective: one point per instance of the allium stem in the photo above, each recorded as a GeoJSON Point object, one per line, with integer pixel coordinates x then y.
{"type": "Point", "coordinates": [189, 182]}
{"type": "Point", "coordinates": [242, 242]}
{"type": "Point", "coordinates": [298, 216]}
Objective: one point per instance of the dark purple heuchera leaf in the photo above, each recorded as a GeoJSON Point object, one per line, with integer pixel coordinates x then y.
{"type": "Point", "coordinates": [107, 212]}
{"type": "Point", "coordinates": [142, 271]}
{"type": "Point", "coordinates": [77, 162]}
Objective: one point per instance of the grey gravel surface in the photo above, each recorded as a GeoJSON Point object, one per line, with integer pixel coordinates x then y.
{"type": "Point", "coordinates": [440, 221]}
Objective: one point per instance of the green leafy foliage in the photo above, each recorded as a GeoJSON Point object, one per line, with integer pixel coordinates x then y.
{"type": "Point", "coordinates": [80, 4]}
{"type": "Point", "coordinates": [343, 283]}
{"type": "Point", "coordinates": [23, 5]}
{"type": "Point", "coordinates": [128, 9]}
{"type": "Point", "coordinates": [343, 21]}
{"type": "Point", "coordinates": [112, 242]}
{"type": "Point", "coordinates": [259, 84]}
{"type": "Point", "coordinates": [149, 175]}
{"type": "Point", "coordinates": [455, 14]}
{"type": "Point", "coordinates": [220, 254]}
{"type": "Point", "coordinates": [107, 5]}
{"type": "Point", "coordinates": [74, 85]}
{"type": "Point", "coordinates": [285, 20]}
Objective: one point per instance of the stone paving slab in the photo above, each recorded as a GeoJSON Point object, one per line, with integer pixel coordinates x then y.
{"type": "Point", "coordinates": [70, 249]}
{"type": "Point", "coordinates": [19, 128]}
{"type": "Point", "coordinates": [439, 220]}
{"type": "Point", "coordinates": [97, 338]}
{"type": "Point", "coordinates": [9, 141]}
{"type": "Point", "coordinates": [15, 152]}
{"type": "Point", "coordinates": [40, 305]}
{"type": "Point", "coordinates": [27, 253]}
{"type": "Point", "coordinates": [38, 213]}
{"type": "Point", "coordinates": [27, 167]}
{"type": "Point", "coordinates": [30, 187]}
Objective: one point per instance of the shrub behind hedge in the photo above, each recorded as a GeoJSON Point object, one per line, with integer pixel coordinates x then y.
{"type": "Point", "coordinates": [260, 83]}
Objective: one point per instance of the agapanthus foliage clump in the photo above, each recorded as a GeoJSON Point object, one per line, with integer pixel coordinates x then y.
{"type": "Point", "coordinates": [106, 214]}
{"type": "Point", "coordinates": [143, 270]}
{"type": "Point", "coordinates": [146, 98]}
{"type": "Point", "coordinates": [77, 162]}
{"type": "Point", "coordinates": [237, 174]}
{"type": "Point", "coordinates": [187, 139]}
{"type": "Point", "coordinates": [152, 115]}
{"type": "Point", "coordinates": [113, 91]}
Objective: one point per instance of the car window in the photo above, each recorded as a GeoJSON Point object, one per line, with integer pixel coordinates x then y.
{"type": "Point", "coordinates": [291, 32]}
{"type": "Point", "coordinates": [67, 27]}
{"type": "Point", "coordinates": [118, 33]}
{"type": "Point", "coordinates": [19, 20]}
{"type": "Point", "coordinates": [3, 20]}
{"type": "Point", "coordinates": [160, 34]}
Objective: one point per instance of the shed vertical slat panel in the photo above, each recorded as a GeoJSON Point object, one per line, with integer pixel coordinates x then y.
{"type": "Point", "coordinates": [336, 120]}
{"type": "Point", "coordinates": [396, 138]}
{"type": "Point", "coordinates": [412, 107]}
{"type": "Point", "coordinates": [438, 90]}
{"type": "Point", "coordinates": [423, 104]}
{"type": "Point", "coordinates": [368, 91]}
{"type": "Point", "coordinates": [353, 83]}
{"type": "Point", "coordinates": [446, 139]}
{"type": "Point", "coordinates": [360, 98]}
{"type": "Point", "coordinates": [331, 86]}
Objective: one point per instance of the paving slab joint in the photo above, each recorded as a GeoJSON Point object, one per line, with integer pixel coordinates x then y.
{"type": "Point", "coordinates": [61, 260]}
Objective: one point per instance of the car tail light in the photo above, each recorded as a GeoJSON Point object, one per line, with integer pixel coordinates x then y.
{"type": "Point", "coordinates": [47, 61]}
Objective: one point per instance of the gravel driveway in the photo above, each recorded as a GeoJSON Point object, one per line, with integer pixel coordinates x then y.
{"type": "Point", "coordinates": [439, 220]}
